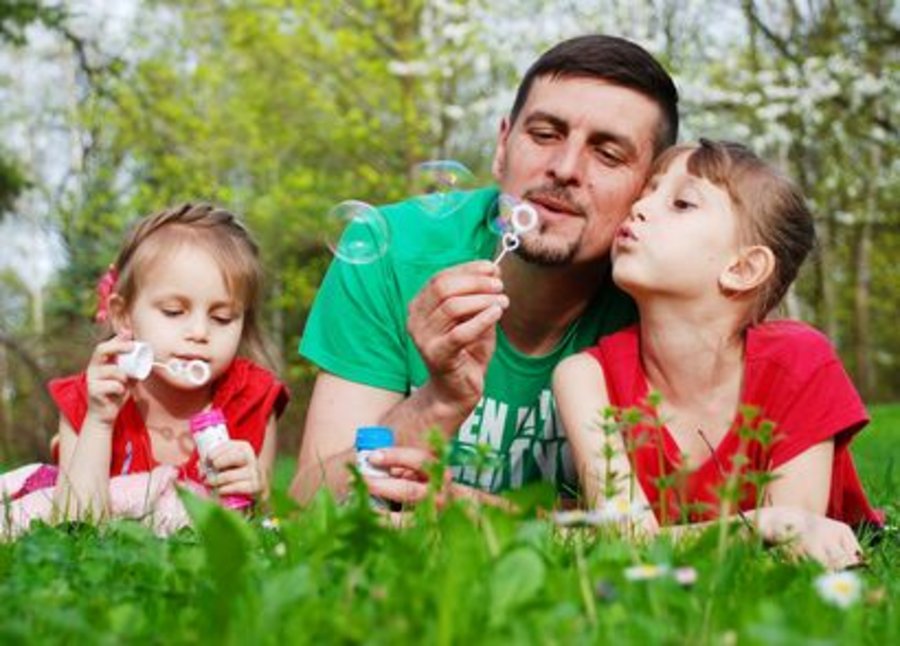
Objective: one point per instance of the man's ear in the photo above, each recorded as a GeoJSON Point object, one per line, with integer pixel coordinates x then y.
{"type": "Point", "coordinates": [749, 269]}
{"type": "Point", "coordinates": [118, 316]}
{"type": "Point", "coordinates": [498, 165]}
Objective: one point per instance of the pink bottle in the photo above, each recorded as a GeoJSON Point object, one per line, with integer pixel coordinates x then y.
{"type": "Point", "coordinates": [209, 430]}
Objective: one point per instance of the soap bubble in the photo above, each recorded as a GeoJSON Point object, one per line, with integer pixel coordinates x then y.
{"type": "Point", "coordinates": [513, 216]}
{"type": "Point", "coordinates": [356, 232]}
{"type": "Point", "coordinates": [438, 186]}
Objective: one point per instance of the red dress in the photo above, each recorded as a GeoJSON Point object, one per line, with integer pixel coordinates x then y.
{"type": "Point", "coordinates": [247, 394]}
{"type": "Point", "coordinates": [792, 378]}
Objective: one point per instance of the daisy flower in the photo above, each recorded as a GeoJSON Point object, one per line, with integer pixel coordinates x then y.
{"type": "Point", "coordinates": [841, 589]}
{"type": "Point", "coordinates": [646, 572]}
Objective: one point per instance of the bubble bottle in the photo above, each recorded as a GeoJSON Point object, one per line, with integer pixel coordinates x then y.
{"type": "Point", "coordinates": [368, 440]}
{"type": "Point", "coordinates": [209, 430]}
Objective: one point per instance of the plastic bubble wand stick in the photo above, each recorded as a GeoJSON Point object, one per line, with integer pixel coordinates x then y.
{"type": "Point", "coordinates": [139, 362]}
{"type": "Point", "coordinates": [523, 219]}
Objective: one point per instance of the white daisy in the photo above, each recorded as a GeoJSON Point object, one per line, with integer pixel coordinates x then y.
{"type": "Point", "coordinates": [646, 572]}
{"type": "Point", "coordinates": [621, 508]}
{"type": "Point", "coordinates": [841, 589]}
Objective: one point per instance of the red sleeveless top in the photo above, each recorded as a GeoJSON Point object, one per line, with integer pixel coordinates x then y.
{"type": "Point", "coordinates": [246, 393]}
{"type": "Point", "coordinates": [792, 378]}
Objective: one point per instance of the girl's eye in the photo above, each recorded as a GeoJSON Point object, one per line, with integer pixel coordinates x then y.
{"type": "Point", "coordinates": [171, 312]}
{"type": "Point", "coordinates": [223, 320]}
{"type": "Point", "coordinates": [683, 204]}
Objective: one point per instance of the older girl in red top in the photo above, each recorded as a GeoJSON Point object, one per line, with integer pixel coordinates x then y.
{"type": "Point", "coordinates": [708, 251]}
{"type": "Point", "coordinates": [187, 284]}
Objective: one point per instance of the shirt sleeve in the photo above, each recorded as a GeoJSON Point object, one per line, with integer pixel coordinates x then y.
{"type": "Point", "coordinates": [70, 396]}
{"type": "Point", "coordinates": [357, 327]}
{"type": "Point", "coordinates": [825, 406]}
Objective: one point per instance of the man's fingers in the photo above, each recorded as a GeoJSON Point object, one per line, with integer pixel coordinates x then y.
{"type": "Point", "coordinates": [478, 277]}
{"type": "Point", "coordinates": [399, 490]}
{"type": "Point", "coordinates": [443, 348]}
{"type": "Point", "coordinates": [406, 457]}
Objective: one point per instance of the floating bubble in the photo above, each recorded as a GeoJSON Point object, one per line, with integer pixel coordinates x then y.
{"type": "Point", "coordinates": [438, 186]}
{"type": "Point", "coordinates": [356, 232]}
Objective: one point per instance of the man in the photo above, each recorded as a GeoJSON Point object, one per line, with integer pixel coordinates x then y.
{"type": "Point", "coordinates": [434, 336]}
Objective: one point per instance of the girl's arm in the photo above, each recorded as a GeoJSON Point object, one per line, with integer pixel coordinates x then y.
{"type": "Point", "coordinates": [600, 459]}
{"type": "Point", "coordinates": [82, 490]}
{"type": "Point", "coordinates": [794, 510]}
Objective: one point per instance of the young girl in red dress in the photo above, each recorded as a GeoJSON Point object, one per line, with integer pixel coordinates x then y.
{"type": "Point", "coordinates": [708, 251]}
{"type": "Point", "coordinates": [186, 282]}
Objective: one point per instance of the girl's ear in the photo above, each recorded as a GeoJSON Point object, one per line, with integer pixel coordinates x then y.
{"type": "Point", "coordinates": [750, 269]}
{"type": "Point", "coordinates": [118, 316]}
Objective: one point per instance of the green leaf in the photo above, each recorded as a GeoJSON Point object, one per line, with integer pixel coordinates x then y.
{"type": "Point", "coordinates": [517, 578]}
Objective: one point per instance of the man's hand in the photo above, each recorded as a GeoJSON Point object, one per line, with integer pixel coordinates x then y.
{"type": "Point", "coordinates": [452, 323]}
{"type": "Point", "coordinates": [408, 483]}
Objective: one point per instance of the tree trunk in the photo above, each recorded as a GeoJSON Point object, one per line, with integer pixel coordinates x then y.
{"type": "Point", "coordinates": [862, 338]}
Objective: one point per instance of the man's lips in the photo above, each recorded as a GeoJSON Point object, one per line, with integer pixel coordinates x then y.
{"type": "Point", "coordinates": [554, 204]}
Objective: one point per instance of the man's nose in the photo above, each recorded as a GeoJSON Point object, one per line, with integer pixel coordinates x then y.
{"type": "Point", "coordinates": [565, 165]}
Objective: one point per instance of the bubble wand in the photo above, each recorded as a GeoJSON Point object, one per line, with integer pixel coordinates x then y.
{"type": "Point", "coordinates": [523, 218]}
{"type": "Point", "coordinates": [139, 362]}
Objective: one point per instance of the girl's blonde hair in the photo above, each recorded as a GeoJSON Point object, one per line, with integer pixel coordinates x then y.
{"type": "Point", "coordinates": [770, 207]}
{"type": "Point", "coordinates": [223, 235]}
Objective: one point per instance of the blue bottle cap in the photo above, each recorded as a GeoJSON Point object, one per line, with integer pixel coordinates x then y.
{"type": "Point", "coordinates": [369, 438]}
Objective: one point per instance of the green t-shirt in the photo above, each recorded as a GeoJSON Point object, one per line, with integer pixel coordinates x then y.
{"type": "Point", "coordinates": [357, 331]}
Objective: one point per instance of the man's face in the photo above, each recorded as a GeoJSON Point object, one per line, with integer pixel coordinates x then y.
{"type": "Point", "coordinates": [579, 151]}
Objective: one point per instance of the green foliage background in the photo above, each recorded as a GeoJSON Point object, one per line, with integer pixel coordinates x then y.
{"type": "Point", "coordinates": [279, 109]}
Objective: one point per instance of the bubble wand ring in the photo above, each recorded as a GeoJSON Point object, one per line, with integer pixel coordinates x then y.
{"type": "Point", "coordinates": [138, 363]}
{"type": "Point", "coordinates": [523, 219]}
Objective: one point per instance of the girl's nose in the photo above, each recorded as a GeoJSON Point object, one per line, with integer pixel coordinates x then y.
{"type": "Point", "coordinates": [198, 328]}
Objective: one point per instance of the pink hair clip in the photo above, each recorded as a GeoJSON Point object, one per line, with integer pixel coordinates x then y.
{"type": "Point", "coordinates": [105, 287]}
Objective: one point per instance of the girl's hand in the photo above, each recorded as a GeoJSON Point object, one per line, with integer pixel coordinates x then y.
{"type": "Point", "coordinates": [237, 469]}
{"type": "Point", "coordinates": [107, 385]}
{"type": "Point", "coordinates": [828, 541]}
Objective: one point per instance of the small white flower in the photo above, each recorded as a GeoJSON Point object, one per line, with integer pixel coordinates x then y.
{"type": "Point", "coordinates": [620, 509]}
{"type": "Point", "coordinates": [646, 572]}
{"type": "Point", "coordinates": [685, 575]}
{"type": "Point", "coordinates": [841, 589]}
{"type": "Point", "coordinates": [279, 550]}
{"type": "Point", "coordinates": [569, 517]}
{"type": "Point", "coordinates": [271, 523]}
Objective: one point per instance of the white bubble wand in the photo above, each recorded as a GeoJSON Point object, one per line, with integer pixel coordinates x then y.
{"type": "Point", "coordinates": [523, 218]}
{"type": "Point", "coordinates": [139, 362]}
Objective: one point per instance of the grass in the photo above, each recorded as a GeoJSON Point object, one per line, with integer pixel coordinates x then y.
{"type": "Point", "coordinates": [334, 574]}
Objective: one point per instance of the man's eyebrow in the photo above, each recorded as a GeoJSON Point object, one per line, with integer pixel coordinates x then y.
{"type": "Point", "coordinates": [538, 115]}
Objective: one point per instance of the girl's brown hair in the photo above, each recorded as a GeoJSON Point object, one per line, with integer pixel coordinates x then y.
{"type": "Point", "coordinates": [223, 235]}
{"type": "Point", "coordinates": [771, 209]}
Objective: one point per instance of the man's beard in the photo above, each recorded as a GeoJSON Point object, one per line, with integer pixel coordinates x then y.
{"type": "Point", "coordinates": [545, 249]}
{"type": "Point", "coordinates": [537, 249]}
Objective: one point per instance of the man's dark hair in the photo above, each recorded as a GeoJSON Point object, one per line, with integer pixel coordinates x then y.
{"type": "Point", "coordinates": [611, 59]}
